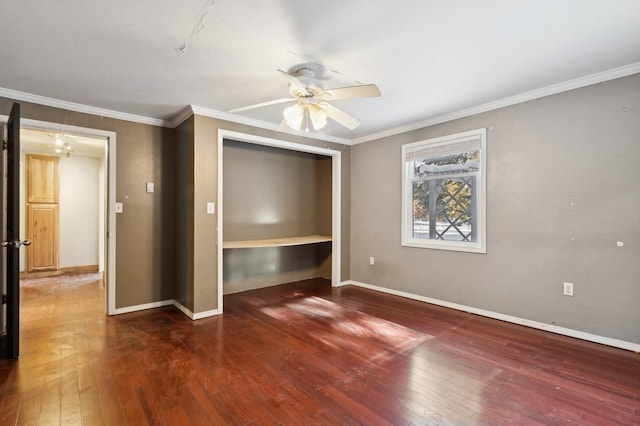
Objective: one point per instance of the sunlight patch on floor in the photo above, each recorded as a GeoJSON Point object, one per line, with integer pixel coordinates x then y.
{"type": "Point", "coordinates": [346, 329]}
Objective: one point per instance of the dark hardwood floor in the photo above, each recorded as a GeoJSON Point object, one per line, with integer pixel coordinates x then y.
{"type": "Point", "coordinates": [301, 353]}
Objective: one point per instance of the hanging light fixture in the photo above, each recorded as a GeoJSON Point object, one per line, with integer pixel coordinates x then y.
{"type": "Point", "coordinates": [62, 147]}
{"type": "Point", "coordinates": [296, 114]}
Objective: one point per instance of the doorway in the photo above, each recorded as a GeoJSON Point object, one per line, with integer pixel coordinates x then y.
{"type": "Point", "coordinates": [86, 226]}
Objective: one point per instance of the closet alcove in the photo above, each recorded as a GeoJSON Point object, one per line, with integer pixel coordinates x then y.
{"type": "Point", "coordinates": [277, 215]}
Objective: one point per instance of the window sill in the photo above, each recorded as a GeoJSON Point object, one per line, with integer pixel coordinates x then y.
{"type": "Point", "coordinates": [446, 245]}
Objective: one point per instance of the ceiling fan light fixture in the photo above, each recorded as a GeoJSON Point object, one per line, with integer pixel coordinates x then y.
{"type": "Point", "coordinates": [296, 114]}
{"type": "Point", "coordinates": [318, 116]}
{"type": "Point", "coordinates": [293, 115]}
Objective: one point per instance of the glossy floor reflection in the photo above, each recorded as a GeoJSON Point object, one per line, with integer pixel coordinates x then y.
{"type": "Point", "coordinates": [301, 353]}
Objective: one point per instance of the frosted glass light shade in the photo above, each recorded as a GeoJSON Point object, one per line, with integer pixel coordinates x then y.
{"type": "Point", "coordinates": [318, 116]}
{"type": "Point", "coordinates": [294, 115]}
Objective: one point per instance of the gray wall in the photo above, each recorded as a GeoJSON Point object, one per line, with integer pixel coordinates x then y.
{"type": "Point", "coordinates": [562, 190]}
{"type": "Point", "coordinates": [184, 230]}
{"type": "Point", "coordinates": [273, 193]}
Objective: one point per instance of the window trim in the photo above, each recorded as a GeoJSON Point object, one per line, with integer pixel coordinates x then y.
{"type": "Point", "coordinates": [478, 246]}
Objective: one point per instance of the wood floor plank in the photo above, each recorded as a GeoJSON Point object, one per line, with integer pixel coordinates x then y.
{"type": "Point", "coordinates": [301, 354]}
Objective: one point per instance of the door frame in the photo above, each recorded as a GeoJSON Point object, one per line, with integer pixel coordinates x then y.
{"type": "Point", "coordinates": [110, 228]}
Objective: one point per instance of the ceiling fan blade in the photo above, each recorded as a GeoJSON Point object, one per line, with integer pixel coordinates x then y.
{"type": "Point", "coordinates": [349, 92]}
{"type": "Point", "coordinates": [293, 80]}
{"type": "Point", "coordinates": [340, 116]}
{"type": "Point", "coordinates": [263, 104]}
{"type": "Point", "coordinates": [282, 126]}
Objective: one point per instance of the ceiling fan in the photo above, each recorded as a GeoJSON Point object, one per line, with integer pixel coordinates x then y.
{"type": "Point", "coordinates": [312, 100]}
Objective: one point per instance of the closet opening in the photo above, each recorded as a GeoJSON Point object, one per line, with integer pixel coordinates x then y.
{"type": "Point", "coordinates": [279, 213]}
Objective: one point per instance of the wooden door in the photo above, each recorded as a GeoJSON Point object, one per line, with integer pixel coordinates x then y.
{"type": "Point", "coordinates": [42, 213]}
{"type": "Point", "coordinates": [42, 225]}
{"type": "Point", "coordinates": [10, 217]}
{"type": "Point", "coordinates": [42, 182]}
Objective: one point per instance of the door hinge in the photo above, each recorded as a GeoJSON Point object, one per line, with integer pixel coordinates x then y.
{"type": "Point", "coordinates": [4, 299]}
{"type": "Point", "coordinates": [4, 145]}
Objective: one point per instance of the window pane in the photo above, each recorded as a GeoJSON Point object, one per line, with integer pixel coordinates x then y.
{"type": "Point", "coordinates": [421, 210]}
{"type": "Point", "coordinates": [443, 209]}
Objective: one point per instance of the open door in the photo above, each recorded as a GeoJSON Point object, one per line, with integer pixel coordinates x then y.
{"type": "Point", "coordinates": [11, 243]}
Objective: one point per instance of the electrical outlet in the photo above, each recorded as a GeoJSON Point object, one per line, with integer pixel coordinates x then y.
{"type": "Point", "coordinates": [567, 289]}
{"type": "Point", "coordinates": [372, 261]}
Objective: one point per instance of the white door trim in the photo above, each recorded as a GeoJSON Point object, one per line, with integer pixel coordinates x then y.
{"type": "Point", "coordinates": [110, 160]}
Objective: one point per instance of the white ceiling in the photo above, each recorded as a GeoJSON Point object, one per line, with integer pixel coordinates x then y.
{"type": "Point", "coordinates": [153, 58]}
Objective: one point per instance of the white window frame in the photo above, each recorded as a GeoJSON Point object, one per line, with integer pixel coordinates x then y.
{"type": "Point", "coordinates": [408, 240]}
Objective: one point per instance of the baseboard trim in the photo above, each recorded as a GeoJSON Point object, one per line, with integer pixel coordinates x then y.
{"type": "Point", "coordinates": [70, 270]}
{"type": "Point", "coordinates": [169, 302]}
{"type": "Point", "coordinates": [502, 317]}
{"type": "Point", "coordinates": [196, 316]}
{"type": "Point", "coordinates": [182, 309]}
{"type": "Point", "coordinates": [206, 314]}
{"type": "Point", "coordinates": [145, 306]}
{"type": "Point", "coordinates": [86, 269]}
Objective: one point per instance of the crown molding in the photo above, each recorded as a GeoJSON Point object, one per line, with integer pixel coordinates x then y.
{"type": "Point", "coordinates": [264, 125]}
{"type": "Point", "coordinates": [72, 106]}
{"type": "Point", "coordinates": [180, 118]}
{"type": "Point", "coordinates": [512, 100]}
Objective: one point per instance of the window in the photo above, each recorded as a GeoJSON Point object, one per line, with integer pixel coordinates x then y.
{"type": "Point", "coordinates": [444, 187]}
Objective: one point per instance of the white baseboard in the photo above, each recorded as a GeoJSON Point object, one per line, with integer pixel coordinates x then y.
{"type": "Point", "coordinates": [206, 314]}
{"type": "Point", "coordinates": [143, 307]}
{"type": "Point", "coordinates": [196, 316]}
{"type": "Point", "coordinates": [183, 309]}
{"type": "Point", "coordinates": [508, 318]}
{"type": "Point", "coordinates": [170, 302]}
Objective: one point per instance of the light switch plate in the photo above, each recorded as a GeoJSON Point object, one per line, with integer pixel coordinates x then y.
{"type": "Point", "coordinates": [118, 207]}
{"type": "Point", "coordinates": [150, 187]}
{"type": "Point", "coordinates": [211, 208]}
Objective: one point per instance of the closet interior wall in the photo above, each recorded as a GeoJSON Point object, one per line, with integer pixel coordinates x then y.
{"type": "Point", "coordinates": [271, 193]}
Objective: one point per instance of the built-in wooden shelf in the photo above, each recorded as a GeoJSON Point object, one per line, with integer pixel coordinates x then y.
{"type": "Point", "coordinates": [277, 242]}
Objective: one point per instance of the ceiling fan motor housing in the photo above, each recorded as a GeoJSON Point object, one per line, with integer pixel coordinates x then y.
{"type": "Point", "coordinates": [307, 77]}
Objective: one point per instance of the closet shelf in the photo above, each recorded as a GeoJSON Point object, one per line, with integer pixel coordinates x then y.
{"type": "Point", "coordinates": [276, 242]}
